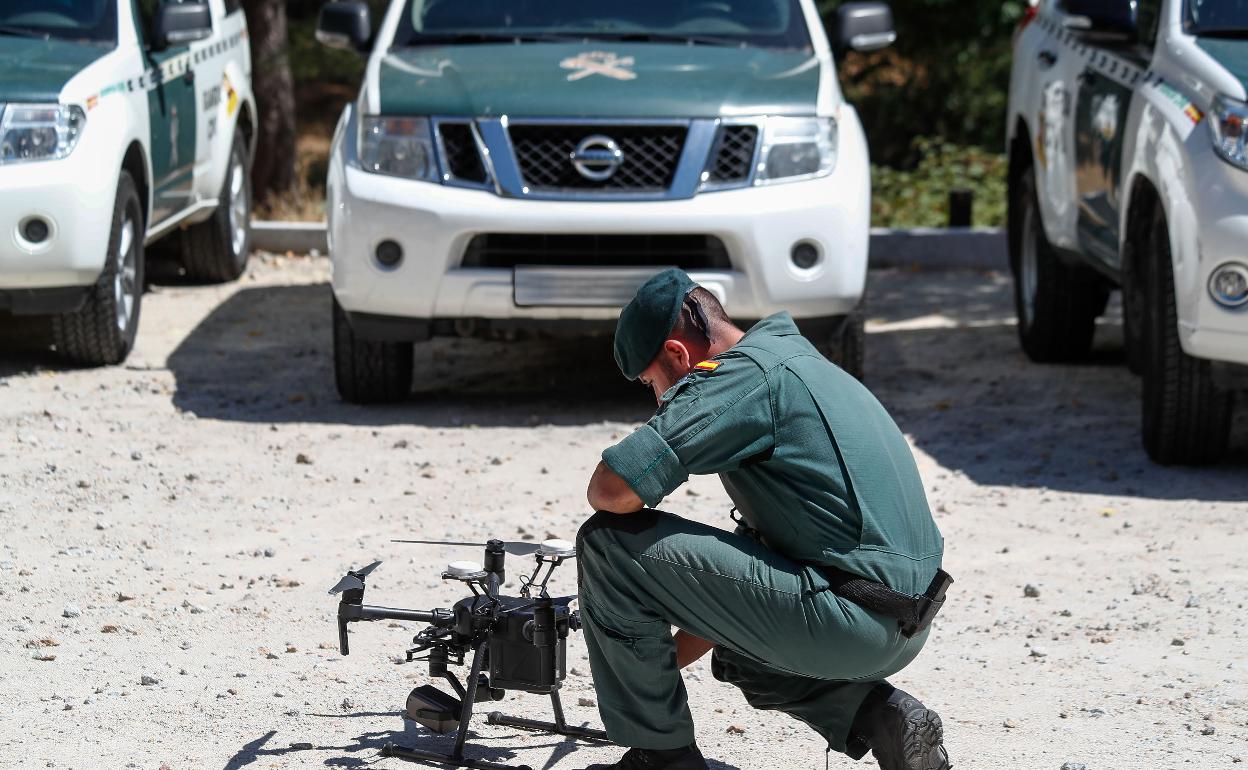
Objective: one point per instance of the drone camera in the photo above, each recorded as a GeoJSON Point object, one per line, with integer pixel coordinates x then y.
{"type": "Point", "coordinates": [429, 706]}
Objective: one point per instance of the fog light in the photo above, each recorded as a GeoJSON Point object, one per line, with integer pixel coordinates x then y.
{"type": "Point", "coordinates": [1228, 285]}
{"type": "Point", "coordinates": [35, 230]}
{"type": "Point", "coordinates": [804, 255]}
{"type": "Point", "coordinates": [389, 253]}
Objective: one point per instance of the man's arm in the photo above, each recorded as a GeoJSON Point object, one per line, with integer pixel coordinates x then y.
{"type": "Point", "coordinates": [689, 648]}
{"type": "Point", "coordinates": [608, 492]}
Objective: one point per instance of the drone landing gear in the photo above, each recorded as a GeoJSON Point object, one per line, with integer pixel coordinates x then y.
{"type": "Point", "coordinates": [456, 758]}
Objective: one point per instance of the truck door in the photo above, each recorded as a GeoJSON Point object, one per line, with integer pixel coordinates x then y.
{"type": "Point", "coordinates": [172, 108]}
{"type": "Point", "coordinates": [1101, 106]}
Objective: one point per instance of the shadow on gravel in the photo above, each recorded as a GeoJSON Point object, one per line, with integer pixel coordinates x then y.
{"type": "Point", "coordinates": [942, 355]}
{"type": "Point", "coordinates": [367, 747]}
{"type": "Point", "coordinates": [265, 355]}
{"type": "Point", "coordinates": [364, 751]}
{"type": "Point", "coordinates": [974, 402]}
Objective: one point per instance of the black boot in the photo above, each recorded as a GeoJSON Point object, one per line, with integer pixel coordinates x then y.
{"type": "Point", "coordinates": [687, 758]}
{"type": "Point", "coordinates": [901, 732]}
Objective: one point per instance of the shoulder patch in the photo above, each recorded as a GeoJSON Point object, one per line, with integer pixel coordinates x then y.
{"type": "Point", "coordinates": [707, 366]}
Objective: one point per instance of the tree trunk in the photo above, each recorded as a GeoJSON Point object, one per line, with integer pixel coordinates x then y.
{"type": "Point", "coordinates": [273, 84]}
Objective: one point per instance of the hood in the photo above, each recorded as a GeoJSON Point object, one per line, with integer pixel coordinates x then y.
{"type": "Point", "coordinates": [625, 80]}
{"type": "Point", "coordinates": [1231, 54]}
{"type": "Point", "coordinates": [34, 70]}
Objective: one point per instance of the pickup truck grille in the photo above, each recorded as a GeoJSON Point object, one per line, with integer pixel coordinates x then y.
{"type": "Point", "coordinates": [732, 158]}
{"type": "Point", "coordinates": [648, 163]}
{"type": "Point", "coordinates": [460, 154]}
{"type": "Point", "coordinates": [508, 250]}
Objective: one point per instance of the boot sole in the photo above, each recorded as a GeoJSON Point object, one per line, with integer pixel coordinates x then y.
{"type": "Point", "coordinates": [917, 734]}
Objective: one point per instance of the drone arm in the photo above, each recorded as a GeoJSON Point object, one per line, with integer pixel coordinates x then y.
{"type": "Point", "coordinates": [351, 613]}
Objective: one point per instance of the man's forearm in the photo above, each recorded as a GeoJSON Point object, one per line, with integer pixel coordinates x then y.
{"type": "Point", "coordinates": [608, 492]}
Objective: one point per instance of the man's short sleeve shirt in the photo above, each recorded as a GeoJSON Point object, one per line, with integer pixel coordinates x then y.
{"type": "Point", "coordinates": [712, 421]}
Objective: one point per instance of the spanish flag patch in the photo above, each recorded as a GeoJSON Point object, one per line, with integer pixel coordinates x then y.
{"type": "Point", "coordinates": [706, 366]}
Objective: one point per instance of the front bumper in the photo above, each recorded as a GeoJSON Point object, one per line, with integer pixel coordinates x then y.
{"type": "Point", "coordinates": [758, 227]}
{"type": "Point", "coordinates": [1210, 330]}
{"type": "Point", "coordinates": [76, 201]}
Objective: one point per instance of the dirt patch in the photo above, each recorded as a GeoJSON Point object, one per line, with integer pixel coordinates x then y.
{"type": "Point", "coordinates": [170, 528]}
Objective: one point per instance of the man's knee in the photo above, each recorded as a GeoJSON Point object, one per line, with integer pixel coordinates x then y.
{"type": "Point", "coordinates": [606, 527]}
{"type": "Point", "coordinates": [592, 532]}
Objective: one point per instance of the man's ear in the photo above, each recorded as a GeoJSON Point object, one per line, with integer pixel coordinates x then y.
{"type": "Point", "coordinates": [682, 353]}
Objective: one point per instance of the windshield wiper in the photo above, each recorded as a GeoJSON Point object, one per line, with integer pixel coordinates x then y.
{"type": "Point", "coordinates": [473, 38]}
{"type": "Point", "coordinates": [22, 32]}
{"type": "Point", "coordinates": [669, 37]}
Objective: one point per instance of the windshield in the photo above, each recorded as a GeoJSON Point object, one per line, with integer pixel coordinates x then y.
{"type": "Point", "coordinates": [1217, 17]}
{"type": "Point", "coordinates": [94, 20]}
{"type": "Point", "coordinates": [764, 23]}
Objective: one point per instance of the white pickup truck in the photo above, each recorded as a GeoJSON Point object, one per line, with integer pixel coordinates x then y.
{"type": "Point", "coordinates": [513, 165]}
{"type": "Point", "coordinates": [121, 122]}
{"type": "Point", "coordinates": [1127, 130]}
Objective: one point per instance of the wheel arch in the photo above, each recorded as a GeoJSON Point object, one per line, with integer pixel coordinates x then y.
{"type": "Point", "coordinates": [1142, 195]}
{"type": "Point", "coordinates": [247, 125]}
{"type": "Point", "coordinates": [1020, 160]}
{"type": "Point", "coordinates": [135, 163]}
{"type": "Point", "coordinates": [1020, 148]}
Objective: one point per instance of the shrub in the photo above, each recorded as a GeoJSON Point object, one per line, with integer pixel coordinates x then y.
{"type": "Point", "coordinates": [920, 197]}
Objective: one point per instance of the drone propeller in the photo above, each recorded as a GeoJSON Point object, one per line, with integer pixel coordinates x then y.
{"type": "Point", "coordinates": [353, 580]}
{"type": "Point", "coordinates": [347, 583]}
{"type": "Point", "coordinates": [515, 548]}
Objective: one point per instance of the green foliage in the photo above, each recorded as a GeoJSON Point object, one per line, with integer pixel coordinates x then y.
{"type": "Point", "coordinates": [920, 197]}
{"type": "Point", "coordinates": [314, 63]}
{"type": "Point", "coordinates": [947, 75]}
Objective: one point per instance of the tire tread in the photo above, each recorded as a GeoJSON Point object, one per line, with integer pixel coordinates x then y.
{"type": "Point", "coordinates": [89, 336]}
{"type": "Point", "coordinates": [369, 371]}
{"type": "Point", "coordinates": [1186, 416]}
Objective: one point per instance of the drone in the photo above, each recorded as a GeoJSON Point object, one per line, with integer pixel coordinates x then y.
{"type": "Point", "coordinates": [511, 642]}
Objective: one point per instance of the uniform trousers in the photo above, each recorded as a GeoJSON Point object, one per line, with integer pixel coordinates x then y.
{"type": "Point", "coordinates": [780, 634]}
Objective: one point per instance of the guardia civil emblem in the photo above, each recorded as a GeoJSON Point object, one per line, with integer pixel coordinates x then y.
{"type": "Point", "coordinates": [602, 63]}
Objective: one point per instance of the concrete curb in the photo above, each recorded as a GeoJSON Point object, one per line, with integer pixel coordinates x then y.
{"type": "Point", "coordinates": [281, 237]}
{"type": "Point", "coordinates": [930, 248]}
{"type": "Point", "coordinates": [933, 248]}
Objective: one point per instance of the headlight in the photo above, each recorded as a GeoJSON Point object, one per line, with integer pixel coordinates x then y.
{"type": "Point", "coordinates": [39, 131]}
{"type": "Point", "coordinates": [398, 147]}
{"type": "Point", "coordinates": [1228, 122]}
{"type": "Point", "coordinates": [797, 148]}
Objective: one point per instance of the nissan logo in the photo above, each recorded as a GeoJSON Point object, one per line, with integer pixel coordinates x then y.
{"type": "Point", "coordinates": [597, 157]}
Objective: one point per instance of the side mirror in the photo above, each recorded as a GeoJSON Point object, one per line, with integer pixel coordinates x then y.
{"type": "Point", "coordinates": [863, 26]}
{"type": "Point", "coordinates": [1103, 21]}
{"type": "Point", "coordinates": [345, 25]}
{"type": "Point", "coordinates": [180, 24]}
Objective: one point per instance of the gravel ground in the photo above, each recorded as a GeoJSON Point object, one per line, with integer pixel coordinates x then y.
{"type": "Point", "coordinates": [170, 527]}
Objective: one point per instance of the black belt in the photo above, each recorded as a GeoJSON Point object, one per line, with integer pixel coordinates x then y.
{"type": "Point", "coordinates": [913, 613]}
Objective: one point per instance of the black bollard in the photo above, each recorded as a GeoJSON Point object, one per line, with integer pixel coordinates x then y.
{"type": "Point", "coordinates": [961, 202]}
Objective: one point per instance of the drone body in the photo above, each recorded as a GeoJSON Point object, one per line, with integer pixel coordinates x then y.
{"type": "Point", "coordinates": [515, 643]}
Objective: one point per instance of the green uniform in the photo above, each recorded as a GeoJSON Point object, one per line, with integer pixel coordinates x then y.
{"type": "Point", "coordinates": [821, 476]}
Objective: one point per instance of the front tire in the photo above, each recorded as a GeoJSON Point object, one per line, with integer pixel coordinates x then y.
{"type": "Point", "coordinates": [1186, 417]}
{"type": "Point", "coordinates": [215, 250]}
{"type": "Point", "coordinates": [369, 371]}
{"type": "Point", "coordinates": [102, 331]}
{"type": "Point", "coordinates": [845, 344]}
{"type": "Point", "coordinates": [1057, 304]}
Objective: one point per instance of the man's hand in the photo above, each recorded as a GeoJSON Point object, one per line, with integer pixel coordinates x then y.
{"type": "Point", "coordinates": [689, 648]}
{"type": "Point", "coordinates": [608, 492]}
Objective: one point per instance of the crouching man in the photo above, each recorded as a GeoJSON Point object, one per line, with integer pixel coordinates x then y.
{"type": "Point", "coordinates": [831, 578]}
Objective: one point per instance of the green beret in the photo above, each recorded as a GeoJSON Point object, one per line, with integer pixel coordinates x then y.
{"type": "Point", "coordinates": [646, 321]}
